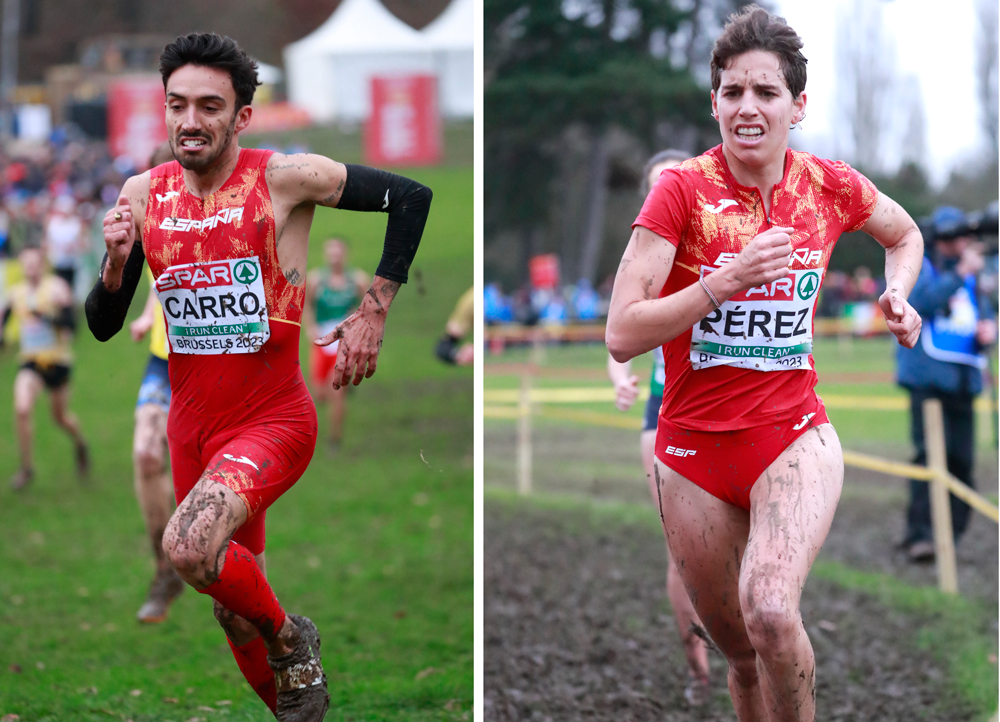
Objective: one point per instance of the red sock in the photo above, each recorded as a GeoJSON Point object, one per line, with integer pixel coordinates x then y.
{"type": "Point", "coordinates": [252, 660]}
{"type": "Point", "coordinates": [243, 589]}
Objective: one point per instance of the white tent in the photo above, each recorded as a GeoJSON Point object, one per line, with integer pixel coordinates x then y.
{"type": "Point", "coordinates": [329, 71]}
{"type": "Point", "coordinates": [451, 36]}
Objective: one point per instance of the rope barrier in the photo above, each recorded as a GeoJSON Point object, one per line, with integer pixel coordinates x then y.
{"type": "Point", "coordinates": [601, 394]}
{"type": "Point", "coordinates": [851, 458]}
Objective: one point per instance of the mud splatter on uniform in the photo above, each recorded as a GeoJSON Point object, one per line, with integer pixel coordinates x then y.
{"type": "Point", "coordinates": [240, 411]}
{"type": "Point", "coordinates": [739, 385]}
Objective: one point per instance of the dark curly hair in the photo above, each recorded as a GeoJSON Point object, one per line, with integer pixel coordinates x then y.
{"type": "Point", "coordinates": [212, 51]}
{"type": "Point", "coordinates": [754, 28]}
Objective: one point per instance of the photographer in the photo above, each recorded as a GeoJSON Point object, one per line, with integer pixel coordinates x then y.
{"type": "Point", "coordinates": [946, 364]}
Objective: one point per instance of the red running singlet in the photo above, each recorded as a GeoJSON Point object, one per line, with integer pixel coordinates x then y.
{"type": "Point", "coordinates": [747, 366]}
{"type": "Point", "coordinates": [241, 413]}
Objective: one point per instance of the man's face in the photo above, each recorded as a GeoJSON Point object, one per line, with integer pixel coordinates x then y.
{"type": "Point", "coordinates": [32, 264]}
{"type": "Point", "coordinates": [201, 115]}
{"type": "Point", "coordinates": [335, 254]}
{"type": "Point", "coordinates": [953, 247]}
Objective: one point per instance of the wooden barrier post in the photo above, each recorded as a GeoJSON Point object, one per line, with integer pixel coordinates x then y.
{"type": "Point", "coordinates": [524, 419]}
{"type": "Point", "coordinates": [937, 461]}
{"type": "Point", "coordinates": [524, 436]}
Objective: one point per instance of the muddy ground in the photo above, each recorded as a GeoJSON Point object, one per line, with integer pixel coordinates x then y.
{"type": "Point", "coordinates": [577, 625]}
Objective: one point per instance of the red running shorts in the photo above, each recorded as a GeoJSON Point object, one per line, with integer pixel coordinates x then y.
{"type": "Point", "coordinates": [259, 457]}
{"type": "Point", "coordinates": [321, 365]}
{"type": "Point", "coordinates": [727, 464]}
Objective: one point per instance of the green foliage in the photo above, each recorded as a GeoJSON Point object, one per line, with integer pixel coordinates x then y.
{"type": "Point", "coordinates": [550, 66]}
{"type": "Point", "coordinates": [375, 543]}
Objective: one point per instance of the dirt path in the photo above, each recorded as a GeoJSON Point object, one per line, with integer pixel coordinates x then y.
{"type": "Point", "coordinates": [577, 626]}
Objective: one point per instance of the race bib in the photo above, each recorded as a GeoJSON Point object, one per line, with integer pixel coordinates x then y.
{"type": "Point", "coordinates": [768, 328]}
{"type": "Point", "coordinates": [215, 307]}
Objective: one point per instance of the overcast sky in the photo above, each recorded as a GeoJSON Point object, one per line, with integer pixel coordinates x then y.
{"type": "Point", "coordinates": [935, 44]}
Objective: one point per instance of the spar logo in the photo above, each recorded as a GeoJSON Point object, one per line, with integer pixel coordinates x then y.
{"type": "Point", "coordinates": [225, 216]}
{"type": "Point", "coordinates": [808, 285]}
{"type": "Point", "coordinates": [195, 276]}
{"type": "Point", "coordinates": [246, 272]}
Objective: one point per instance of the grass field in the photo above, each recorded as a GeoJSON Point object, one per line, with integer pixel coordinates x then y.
{"type": "Point", "coordinates": [375, 544]}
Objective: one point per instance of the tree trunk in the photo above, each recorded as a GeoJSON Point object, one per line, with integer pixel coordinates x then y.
{"type": "Point", "coordinates": [597, 194]}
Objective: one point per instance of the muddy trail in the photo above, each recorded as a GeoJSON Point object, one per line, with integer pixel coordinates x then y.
{"type": "Point", "coordinates": [578, 627]}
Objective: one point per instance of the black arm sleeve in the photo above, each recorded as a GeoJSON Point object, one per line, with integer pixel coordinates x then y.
{"type": "Point", "coordinates": [105, 310]}
{"type": "Point", "coordinates": [407, 203]}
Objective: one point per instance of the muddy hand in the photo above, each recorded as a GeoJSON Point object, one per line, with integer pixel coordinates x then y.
{"type": "Point", "coordinates": [903, 321]}
{"type": "Point", "coordinates": [360, 338]}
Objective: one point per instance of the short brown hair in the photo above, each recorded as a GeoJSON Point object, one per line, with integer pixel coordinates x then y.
{"type": "Point", "coordinates": [754, 28]}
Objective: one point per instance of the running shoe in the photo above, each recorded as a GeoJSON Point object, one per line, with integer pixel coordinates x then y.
{"type": "Point", "coordinates": [166, 587]}
{"type": "Point", "coordinates": [21, 479]}
{"type": "Point", "coordinates": [82, 461]}
{"type": "Point", "coordinates": [299, 677]}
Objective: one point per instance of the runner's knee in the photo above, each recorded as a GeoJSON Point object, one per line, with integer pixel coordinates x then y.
{"type": "Point", "coordinates": [192, 541]}
{"type": "Point", "coordinates": [772, 620]}
{"type": "Point", "coordinates": [149, 462]}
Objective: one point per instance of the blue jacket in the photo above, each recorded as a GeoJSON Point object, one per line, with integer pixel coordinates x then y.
{"type": "Point", "coordinates": [932, 296]}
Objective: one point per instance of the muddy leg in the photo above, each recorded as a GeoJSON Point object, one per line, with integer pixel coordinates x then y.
{"type": "Point", "coordinates": [684, 613]}
{"type": "Point", "coordinates": [196, 541]}
{"type": "Point", "coordinates": [791, 509]}
{"type": "Point", "coordinates": [707, 537]}
{"type": "Point", "coordinates": [153, 487]}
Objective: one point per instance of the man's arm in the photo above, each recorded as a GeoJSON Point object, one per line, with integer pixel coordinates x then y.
{"type": "Point", "coordinates": [108, 302]}
{"type": "Point", "coordinates": [311, 178]}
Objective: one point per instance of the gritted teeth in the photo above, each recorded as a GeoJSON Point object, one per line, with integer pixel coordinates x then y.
{"type": "Point", "coordinates": [754, 132]}
{"type": "Point", "coordinates": [192, 142]}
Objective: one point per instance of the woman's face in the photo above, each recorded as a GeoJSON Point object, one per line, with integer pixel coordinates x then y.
{"type": "Point", "coordinates": [755, 108]}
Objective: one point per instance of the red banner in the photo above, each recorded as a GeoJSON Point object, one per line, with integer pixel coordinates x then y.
{"type": "Point", "coordinates": [404, 127]}
{"type": "Point", "coordinates": [544, 271]}
{"type": "Point", "coordinates": [135, 118]}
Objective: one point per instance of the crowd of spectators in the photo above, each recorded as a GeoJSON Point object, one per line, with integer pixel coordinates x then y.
{"type": "Point", "coordinates": [52, 196]}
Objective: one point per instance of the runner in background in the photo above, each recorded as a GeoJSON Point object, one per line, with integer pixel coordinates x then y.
{"type": "Point", "coordinates": [626, 392]}
{"type": "Point", "coordinates": [332, 294]}
{"type": "Point", "coordinates": [43, 305]}
{"type": "Point", "coordinates": [449, 347]}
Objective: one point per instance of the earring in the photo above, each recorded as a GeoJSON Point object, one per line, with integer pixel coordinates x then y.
{"type": "Point", "coordinates": [714, 116]}
{"type": "Point", "coordinates": [795, 123]}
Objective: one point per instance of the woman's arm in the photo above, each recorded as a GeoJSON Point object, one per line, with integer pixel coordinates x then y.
{"type": "Point", "coordinates": [638, 321]}
{"type": "Point", "coordinates": [893, 228]}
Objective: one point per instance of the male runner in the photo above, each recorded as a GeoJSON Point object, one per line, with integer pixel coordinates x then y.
{"type": "Point", "coordinates": [332, 294]}
{"type": "Point", "coordinates": [43, 306]}
{"type": "Point", "coordinates": [225, 231]}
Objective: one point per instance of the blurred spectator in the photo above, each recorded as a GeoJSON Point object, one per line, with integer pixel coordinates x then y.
{"type": "Point", "coordinates": [586, 302]}
{"type": "Point", "coordinates": [497, 308]}
{"type": "Point", "coordinates": [946, 364]}
{"type": "Point", "coordinates": [65, 239]}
